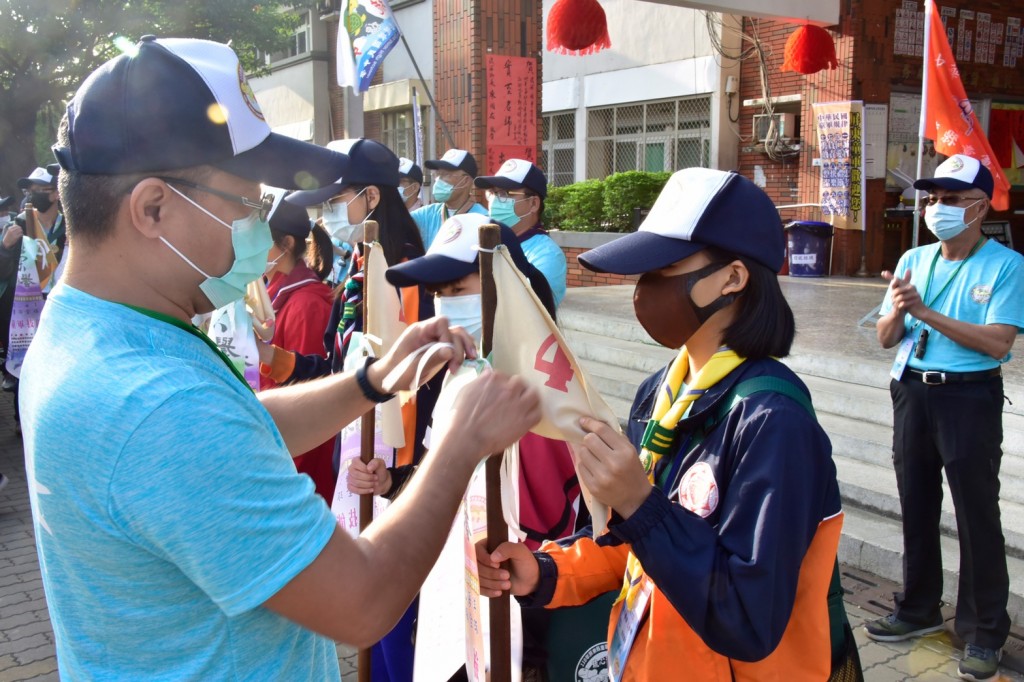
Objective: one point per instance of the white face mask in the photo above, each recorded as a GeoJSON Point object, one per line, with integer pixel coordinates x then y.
{"type": "Point", "coordinates": [271, 264]}
{"type": "Point", "coordinates": [462, 311]}
{"type": "Point", "coordinates": [336, 220]}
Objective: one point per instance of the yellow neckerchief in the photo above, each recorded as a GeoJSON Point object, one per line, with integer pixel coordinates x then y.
{"type": "Point", "coordinates": [674, 399]}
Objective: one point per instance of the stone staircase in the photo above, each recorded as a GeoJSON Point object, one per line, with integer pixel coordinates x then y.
{"type": "Point", "coordinates": [851, 397]}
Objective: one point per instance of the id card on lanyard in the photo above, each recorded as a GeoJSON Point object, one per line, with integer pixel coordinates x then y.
{"type": "Point", "coordinates": [627, 627]}
{"type": "Point", "coordinates": [910, 340]}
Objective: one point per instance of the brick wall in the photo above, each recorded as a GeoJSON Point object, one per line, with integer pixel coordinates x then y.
{"type": "Point", "coordinates": [869, 71]}
{"type": "Point", "coordinates": [465, 31]}
{"type": "Point", "coordinates": [575, 243]}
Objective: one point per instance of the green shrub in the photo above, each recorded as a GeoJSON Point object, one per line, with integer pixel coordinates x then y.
{"type": "Point", "coordinates": [624, 192]}
{"type": "Point", "coordinates": [582, 206]}
{"type": "Point", "coordinates": [553, 207]}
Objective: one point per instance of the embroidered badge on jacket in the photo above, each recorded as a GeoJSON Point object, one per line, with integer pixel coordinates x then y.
{"type": "Point", "coordinates": [698, 491]}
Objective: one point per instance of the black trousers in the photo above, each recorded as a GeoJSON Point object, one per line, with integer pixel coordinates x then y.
{"type": "Point", "coordinates": [957, 427]}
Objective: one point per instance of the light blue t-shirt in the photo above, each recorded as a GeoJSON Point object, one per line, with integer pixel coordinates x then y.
{"type": "Point", "coordinates": [544, 254]}
{"type": "Point", "coordinates": [430, 218]}
{"type": "Point", "coordinates": [166, 507]}
{"type": "Point", "coordinates": [988, 289]}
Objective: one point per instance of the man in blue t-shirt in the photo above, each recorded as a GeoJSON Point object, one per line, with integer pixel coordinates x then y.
{"type": "Point", "coordinates": [515, 197]}
{"type": "Point", "coordinates": [453, 191]}
{"type": "Point", "coordinates": [176, 540]}
{"type": "Point", "coordinates": [955, 308]}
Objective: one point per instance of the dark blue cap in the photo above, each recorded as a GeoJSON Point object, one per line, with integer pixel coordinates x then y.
{"type": "Point", "coordinates": [698, 208]}
{"type": "Point", "coordinates": [290, 219]}
{"type": "Point", "coordinates": [370, 163]}
{"type": "Point", "coordinates": [516, 174]}
{"type": "Point", "coordinates": [176, 103]}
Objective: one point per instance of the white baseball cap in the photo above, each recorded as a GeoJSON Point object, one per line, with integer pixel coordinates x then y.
{"type": "Point", "coordinates": [960, 172]}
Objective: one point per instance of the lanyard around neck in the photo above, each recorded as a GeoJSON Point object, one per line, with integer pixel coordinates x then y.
{"type": "Point", "coordinates": [191, 329]}
{"type": "Point", "coordinates": [931, 271]}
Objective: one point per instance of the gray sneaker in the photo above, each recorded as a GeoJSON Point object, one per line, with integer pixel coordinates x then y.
{"type": "Point", "coordinates": [979, 663]}
{"type": "Point", "coordinates": [892, 629]}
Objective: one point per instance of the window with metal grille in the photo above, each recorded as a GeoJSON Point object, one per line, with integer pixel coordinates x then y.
{"type": "Point", "coordinates": [558, 150]}
{"type": "Point", "coordinates": [398, 132]}
{"type": "Point", "coordinates": [651, 136]}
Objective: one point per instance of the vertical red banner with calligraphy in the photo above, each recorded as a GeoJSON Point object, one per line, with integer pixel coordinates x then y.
{"type": "Point", "coordinates": [511, 110]}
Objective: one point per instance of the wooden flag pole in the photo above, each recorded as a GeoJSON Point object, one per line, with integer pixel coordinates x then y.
{"type": "Point", "coordinates": [368, 426]}
{"type": "Point", "coordinates": [497, 530]}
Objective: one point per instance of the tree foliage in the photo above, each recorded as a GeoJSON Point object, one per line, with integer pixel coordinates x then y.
{"type": "Point", "coordinates": [48, 47]}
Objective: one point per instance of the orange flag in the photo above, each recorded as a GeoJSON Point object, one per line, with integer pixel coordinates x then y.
{"type": "Point", "coordinates": [949, 117]}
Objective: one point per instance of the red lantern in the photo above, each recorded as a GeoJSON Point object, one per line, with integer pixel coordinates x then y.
{"type": "Point", "coordinates": [577, 27]}
{"type": "Point", "coordinates": [809, 50]}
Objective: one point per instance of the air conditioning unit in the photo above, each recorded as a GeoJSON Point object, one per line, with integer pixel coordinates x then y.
{"type": "Point", "coordinates": [785, 126]}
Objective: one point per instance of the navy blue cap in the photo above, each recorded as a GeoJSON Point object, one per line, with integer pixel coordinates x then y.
{"type": "Point", "coordinates": [370, 163]}
{"type": "Point", "coordinates": [516, 174]}
{"type": "Point", "coordinates": [408, 169]}
{"type": "Point", "coordinates": [454, 159]}
{"type": "Point", "coordinates": [453, 255]}
{"type": "Point", "coordinates": [6, 202]}
{"type": "Point", "coordinates": [39, 176]}
{"type": "Point", "coordinates": [960, 172]}
{"type": "Point", "coordinates": [698, 208]}
{"type": "Point", "coordinates": [290, 219]}
{"type": "Point", "coordinates": [176, 103]}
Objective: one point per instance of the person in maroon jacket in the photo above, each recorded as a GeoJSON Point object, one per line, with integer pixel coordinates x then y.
{"type": "Point", "coordinates": [302, 307]}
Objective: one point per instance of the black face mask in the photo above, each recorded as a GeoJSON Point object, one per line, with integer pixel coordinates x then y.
{"type": "Point", "coordinates": [40, 201]}
{"type": "Point", "coordinates": [665, 308]}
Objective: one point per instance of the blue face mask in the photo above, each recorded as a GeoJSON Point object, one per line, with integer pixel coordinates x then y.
{"type": "Point", "coordinates": [251, 240]}
{"type": "Point", "coordinates": [462, 311]}
{"type": "Point", "coordinates": [503, 210]}
{"type": "Point", "coordinates": [443, 190]}
{"type": "Point", "coordinates": [944, 221]}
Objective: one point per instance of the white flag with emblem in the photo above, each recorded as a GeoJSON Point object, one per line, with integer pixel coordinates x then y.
{"type": "Point", "coordinates": [527, 342]}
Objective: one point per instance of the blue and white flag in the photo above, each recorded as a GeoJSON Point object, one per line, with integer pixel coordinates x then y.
{"type": "Point", "coordinates": [366, 35]}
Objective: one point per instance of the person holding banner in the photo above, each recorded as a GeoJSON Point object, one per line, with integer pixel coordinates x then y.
{"type": "Point", "coordinates": [177, 508]}
{"type": "Point", "coordinates": [411, 183]}
{"type": "Point", "coordinates": [550, 503]}
{"type": "Point", "coordinates": [515, 197]}
{"type": "Point", "coordinates": [302, 307]}
{"type": "Point", "coordinates": [955, 308]}
{"type": "Point", "coordinates": [734, 495]}
{"type": "Point", "coordinates": [453, 192]}
{"type": "Point", "coordinates": [367, 190]}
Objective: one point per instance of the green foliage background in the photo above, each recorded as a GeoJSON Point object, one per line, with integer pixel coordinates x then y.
{"type": "Point", "coordinates": [602, 205]}
{"type": "Point", "coordinates": [47, 47]}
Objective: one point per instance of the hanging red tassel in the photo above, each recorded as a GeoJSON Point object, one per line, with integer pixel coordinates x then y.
{"type": "Point", "coordinates": [809, 50]}
{"type": "Point", "coordinates": [577, 27]}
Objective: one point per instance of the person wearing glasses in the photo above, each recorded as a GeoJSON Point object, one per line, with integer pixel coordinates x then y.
{"type": "Point", "coordinates": [176, 540]}
{"type": "Point", "coordinates": [954, 308]}
{"type": "Point", "coordinates": [453, 191]}
{"type": "Point", "coordinates": [515, 197]}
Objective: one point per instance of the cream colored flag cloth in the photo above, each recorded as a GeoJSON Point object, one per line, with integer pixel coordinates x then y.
{"type": "Point", "coordinates": [383, 327]}
{"type": "Point", "coordinates": [527, 342]}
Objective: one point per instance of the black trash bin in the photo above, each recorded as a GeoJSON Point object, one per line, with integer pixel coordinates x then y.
{"type": "Point", "coordinates": [809, 244]}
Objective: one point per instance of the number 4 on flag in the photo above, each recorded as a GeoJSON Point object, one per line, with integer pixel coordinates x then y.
{"type": "Point", "coordinates": [558, 370]}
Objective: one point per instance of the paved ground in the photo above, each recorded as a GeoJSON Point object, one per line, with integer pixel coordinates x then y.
{"type": "Point", "coordinates": [26, 638]}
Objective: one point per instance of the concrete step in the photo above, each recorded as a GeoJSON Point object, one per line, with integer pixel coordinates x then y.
{"type": "Point", "coordinates": [856, 401]}
{"type": "Point", "coordinates": [623, 328]}
{"type": "Point", "coordinates": [617, 352]}
{"type": "Point", "coordinates": [874, 543]}
{"type": "Point", "coordinates": [614, 380]}
{"type": "Point", "coordinates": [873, 488]}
